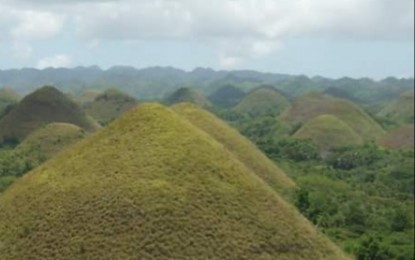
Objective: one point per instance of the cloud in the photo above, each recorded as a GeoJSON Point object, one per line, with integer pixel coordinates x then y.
{"type": "Point", "coordinates": [57, 61]}
{"type": "Point", "coordinates": [239, 29]}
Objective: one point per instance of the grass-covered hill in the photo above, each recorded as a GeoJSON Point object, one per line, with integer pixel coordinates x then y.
{"type": "Point", "coordinates": [44, 106]}
{"type": "Point", "coordinates": [152, 186]}
{"type": "Point", "coordinates": [328, 132]}
{"type": "Point", "coordinates": [87, 97]}
{"type": "Point", "coordinates": [226, 96]}
{"type": "Point", "coordinates": [189, 95]}
{"type": "Point", "coordinates": [262, 101]}
{"type": "Point", "coordinates": [7, 97]}
{"type": "Point", "coordinates": [109, 105]}
{"type": "Point", "coordinates": [240, 146]}
{"type": "Point", "coordinates": [48, 141]}
{"type": "Point", "coordinates": [400, 110]}
{"type": "Point", "coordinates": [309, 106]}
{"type": "Point", "coordinates": [401, 137]}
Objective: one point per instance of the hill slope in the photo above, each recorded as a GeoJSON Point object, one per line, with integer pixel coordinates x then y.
{"type": "Point", "coordinates": [7, 97]}
{"type": "Point", "coordinates": [109, 105]}
{"type": "Point", "coordinates": [48, 141]}
{"type": "Point", "coordinates": [44, 106]}
{"type": "Point", "coordinates": [261, 101]}
{"type": "Point", "coordinates": [241, 147]}
{"type": "Point", "coordinates": [402, 137]}
{"type": "Point", "coordinates": [401, 110]}
{"type": "Point", "coordinates": [152, 186]}
{"type": "Point", "coordinates": [188, 95]}
{"type": "Point", "coordinates": [328, 132]}
{"type": "Point", "coordinates": [307, 107]}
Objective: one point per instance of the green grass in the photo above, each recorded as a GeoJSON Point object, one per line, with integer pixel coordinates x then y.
{"type": "Point", "coordinates": [109, 105]}
{"type": "Point", "coordinates": [309, 106]}
{"type": "Point", "coordinates": [48, 141]}
{"type": "Point", "coordinates": [40, 108]}
{"type": "Point", "coordinates": [188, 95]}
{"type": "Point", "coordinates": [7, 97]}
{"type": "Point", "coordinates": [328, 132]}
{"type": "Point", "coordinates": [240, 146]}
{"type": "Point", "coordinates": [401, 110]}
{"type": "Point", "coordinates": [152, 186]}
{"type": "Point", "coordinates": [401, 137]}
{"type": "Point", "coordinates": [261, 101]}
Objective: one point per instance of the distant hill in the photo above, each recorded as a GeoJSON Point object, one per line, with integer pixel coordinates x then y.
{"type": "Point", "coordinates": [241, 147]}
{"type": "Point", "coordinates": [109, 105]}
{"type": "Point", "coordinates": [262, 101]}
{"type": "Point", "coordinates": [309, 106]}
{"type": "Point", "coordinates": [226, 96]}
{"type": "Point", "coordinates": [400, 110]}
{"type": "Point", "coordinates": [188, 95]}
{"type": "Point", "coordinates": [402, 137]}
{"type": "Point", "coordinates": [44, 106]}
{"type": "Point", "coordinates": [87, 97]}
{"type": "Point", "coordinates": [7, 97]}
{"type": "Point", "coordinates": [328, 132]}
{"type": "Point", "coordinates": [152, 186]}
{"type": "Point", "coordinates": [48, 141]}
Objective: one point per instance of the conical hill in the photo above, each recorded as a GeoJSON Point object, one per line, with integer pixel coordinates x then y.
{"type": "Point", "coordinates": [240, 146]}
{"type": "Point", "coordinates": [44, 106]}
{"type": "Point", "coordinates": [188, 95]}
{"type": "Point", "coordinates": [262, 101]}
{"type": "Point", "coordinates": [328, 132]}
{"type": "Point", "coordinates": [152, 186]}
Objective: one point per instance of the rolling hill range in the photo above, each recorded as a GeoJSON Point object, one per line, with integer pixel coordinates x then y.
{"type": "Point", "coordinates": [109, 105]}
{"type": "Point", "coordinates": [188, 95]}
{"type": "Point", "coordinates": [241, 147]}
{"type": "Point", "coordinates": [87, 97]}
{"type": "Point", "coordinates": [328, 132]}
{"type": "Point", "coordinates": [152, 186]}
{"type": "Point", "coordinates": [226, 96]}
{"type": "Point", "coordinates": [48, 141]}
{"type": "Point", "coordinates": [262, 101]}
{"type": "Point", "coordinates": [401, 137]}
{"type": "Point", "coordinates": [309, 106]}
{"type": "Point", "coordinates": [401, 110]}
{"type": "Point", "coordinates": [44, 106]}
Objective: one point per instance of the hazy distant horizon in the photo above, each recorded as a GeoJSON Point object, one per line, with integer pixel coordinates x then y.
{"type": "Point", "coordinates": [355, 38]}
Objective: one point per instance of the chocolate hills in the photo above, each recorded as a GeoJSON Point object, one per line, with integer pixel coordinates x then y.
{"type": "Point", "coordinates": [48, 141]}
{"type": "Point", "coordinates": [7, 97]}
{"type": "Point", "coordinates": [309, 106]}
{"type": "Point", "coordinates": [44, 106]}
{"type": "Point", "coordinates": [400, 110]}
{"type": "Point", "coordinates": [152, 186]}
{"type": "Point", "coordinates": [188, 95]}
{"type": "Point", "coordinates": [401, 137]}
{"type": "Point", "coordinates": [328, 132]}
{"type": "Point", "coordinates": [240, 146]}
{"type": "Point", "coordinates": [109, 105]}
{"type": "Point", "coordinates": [262, 101]}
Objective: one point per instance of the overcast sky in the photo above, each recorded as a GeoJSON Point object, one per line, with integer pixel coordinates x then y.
{"type": "Point", "coordinates": [335, 38]}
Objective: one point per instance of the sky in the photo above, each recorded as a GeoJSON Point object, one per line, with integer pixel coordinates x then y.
{"type": "Point", "coordinates": [356, 38]}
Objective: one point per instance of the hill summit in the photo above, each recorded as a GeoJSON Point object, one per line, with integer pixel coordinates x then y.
{"type": "Point", "coordinates": [261, 101]}
{"type": "Point", "coordinates": [328, 132]}
{"type": "Point", "coordinates": [152, 186]}
{"type": "Point", "coordinates": [108, 106]}
{"type": "Point", "coordinates": [188, 95]}
{"type": "Point", "coordinates": [44, 106]}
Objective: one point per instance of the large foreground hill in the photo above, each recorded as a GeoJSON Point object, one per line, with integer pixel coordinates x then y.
{"type": "Point", "coordinates": [152, 186]}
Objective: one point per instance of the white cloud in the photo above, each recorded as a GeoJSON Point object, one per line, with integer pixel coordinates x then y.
{"type": "Point", "coordinates": [238, 29]}
{"type": "Point", "coordinates": [22, 51]}
{"type": "Point", "coordinates": [57, 61]}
